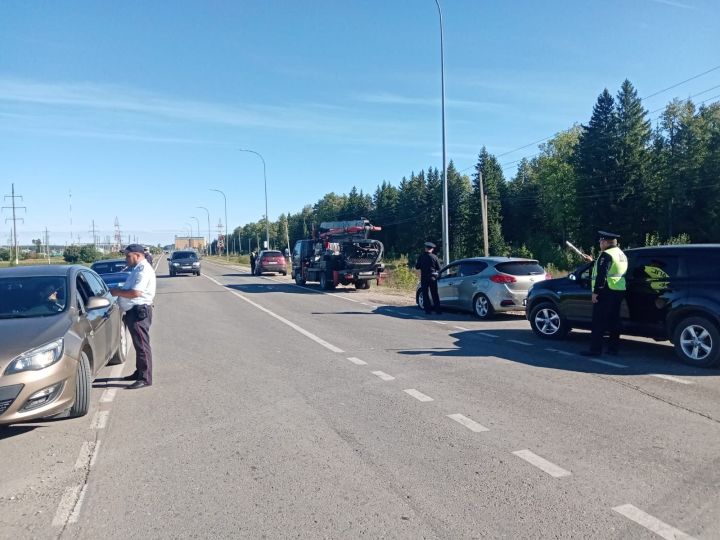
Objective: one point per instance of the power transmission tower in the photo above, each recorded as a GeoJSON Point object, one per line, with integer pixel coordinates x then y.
{"type": "Point", "coordinates": [94, 236]}
{"type": "Point", "coordinates": [47, 245]}
{"type": "Point", "coordinates": [118, 236]}
{"type": "Point", "coordinates": [14, 207]}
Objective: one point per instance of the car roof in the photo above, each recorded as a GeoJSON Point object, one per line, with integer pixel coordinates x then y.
{"type": "Point", "coordinates": [673, 247]}
{"type": "Point", "coordinates": [104, 261]}
{"type": "Point", "coordinates": [37, 270]}
{"type": "Point", "coordinates": [494, 259]}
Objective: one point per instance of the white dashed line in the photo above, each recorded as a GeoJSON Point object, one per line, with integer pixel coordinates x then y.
{"type": "Point", "coordinates": [357, 361]}
{"type": "Point", "coordinates": [605, 362]}
{"type": "Point", "coordinates": [438, 322]}
{"type": "Point", "coordinates": [520, 342]}
{"type": "Point", "coordinates": [487, 334]}
{"type": "Point", "coordinates": [65, 508]}
{"type": "Point", "coordinates": [283, 320]}
{"type": "Point", "coordinates": [472, 425]}
{"type": "Point", "coordinates": [108, 395]}
{"type": "Point", "coordinates": [671, 378]}
{"type": "Point", "coordinates": [651, 523]}
{"type": "Point", "coordinates": [384, 376]}
{"type": "Point", "coordinates": [76, 511]}
{"type": "Point", "coordinates": [88, 451]}
{"type": "Point", "coordinates": [418, 395]}
{"type": "Point", "coordinates": [100, 419]}
{"type": "Point", "coordinates": [460, 328]}
{"type": "Point", "coordinates": [542, 464]}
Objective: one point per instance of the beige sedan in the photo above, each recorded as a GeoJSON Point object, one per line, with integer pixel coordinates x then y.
{"type": "Point", "coordinates": [59, 326]}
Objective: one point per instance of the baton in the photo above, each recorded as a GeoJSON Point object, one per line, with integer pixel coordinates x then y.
{"type": "Point", "coordinates": [576, 250]}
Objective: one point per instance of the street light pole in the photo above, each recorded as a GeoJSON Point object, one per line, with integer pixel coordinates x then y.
{"type": "Point", "coordinates": [198, 224]}
{"type": "Point", "coordinates": [189, 237]}
{"type": "Point", "coordinates": [227, 254]}
{"type": "Point", "coordinates": [267, 218]}
{"type": "Point", "coordinates": [445, 221]}
{"type": "Point", "coordinates": [207, 247]}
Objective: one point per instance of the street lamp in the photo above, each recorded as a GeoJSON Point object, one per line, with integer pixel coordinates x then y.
{"type": "Point", "coordinates": [227, 254]}
{"type": "Point", "coordinates": [445, 223]}
{"type": "Point", "coordinates": [267, 218]}
{"type": "Point", "coordinates": [198, 224]}
{"type": "Point", "coordinates": [190, 236]}
{"type": "Point", "coordinates": [207, 247]}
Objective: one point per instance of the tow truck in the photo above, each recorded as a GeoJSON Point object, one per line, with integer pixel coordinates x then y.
{"type": "Point", "coordinates": [339, 254]}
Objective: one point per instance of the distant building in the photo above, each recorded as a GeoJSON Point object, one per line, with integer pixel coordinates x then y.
{"type": "Point", "coordinates": [190, 242]}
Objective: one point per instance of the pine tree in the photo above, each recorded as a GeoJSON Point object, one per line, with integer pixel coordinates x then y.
{"type": "Point", "coordinates": [494, 186]}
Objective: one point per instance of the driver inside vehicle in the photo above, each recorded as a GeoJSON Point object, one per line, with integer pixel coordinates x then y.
{"type": "Point", "coordinates": [52, 297]}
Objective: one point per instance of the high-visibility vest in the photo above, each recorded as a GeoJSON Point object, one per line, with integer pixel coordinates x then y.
{"type": "Point", "coordinates": [616, 272]}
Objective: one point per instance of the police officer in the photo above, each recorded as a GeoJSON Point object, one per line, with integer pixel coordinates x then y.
{"type": "Point", "coordinates": [253, 260]}
{"type": "Point", "coordinates": [148, 255]}
{"type": "Point", "coordinates": [608, 291]}
{"type": "Point", "coordinates": [429, 267]}
{"type": "Point", "coordinates": [135, 299]}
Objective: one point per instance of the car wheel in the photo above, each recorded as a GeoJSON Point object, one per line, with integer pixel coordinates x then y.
{"type": "Point", "coordinates": [697, 342]}
{"type": "Point", "coordinates": [197, 273]}
{"type": "Point", "coordinates": [482, 307]}
{"type": "Point", "coordinates": [284, 273]}
{"type": "Point", "coordinates": [83, 383]}
{"type": "Point", "coordinates": [420, 300]}
{"type": "Point", "coordinates": [547, 322]}
{"type": "Point", "coordinates": [121, 353]}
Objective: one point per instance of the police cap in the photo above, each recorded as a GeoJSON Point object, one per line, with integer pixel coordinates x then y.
{"type": "Point", "coordinates": [134, 248]}
{"type": "Point", "coordinates": [430, 245]}
{"type": "Point", "coordinates": [605, 235]}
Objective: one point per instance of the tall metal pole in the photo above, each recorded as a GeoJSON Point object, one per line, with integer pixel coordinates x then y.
{"type": "Point", "coordinates": [189, 237]}
{"type": "Point", "coordinates": [267, 218]}
{"type": "Point", "coordinates": [198, 224]}
{"type": "Point", "coordinates": [445, 221]}
{"type": "Point", "coordinates": [207, 247]}
{"type": "Point", "coordinates": [227, 254]}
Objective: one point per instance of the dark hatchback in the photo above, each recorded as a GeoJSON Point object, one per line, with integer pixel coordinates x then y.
{"type": "Point", "coordinates": [114, 272]}
{"type": "Point", "coordinates": [673, 293]}
{"type": "Point", "coordinates": [184, 262]}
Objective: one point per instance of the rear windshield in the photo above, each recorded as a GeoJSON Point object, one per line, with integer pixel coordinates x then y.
{"type": "Point", "coordinates": [520, 268]}
{"type": "Point", "coordinates": [109, 267]}
{"type": "Point", "coordinates": [184, 255]}
{"type": "Point", "coordinates": [273, 254]}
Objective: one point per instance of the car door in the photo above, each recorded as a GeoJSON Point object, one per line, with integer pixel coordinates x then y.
{"type": "Point", "coordinates": [447, 283]}
{"type": "Point", "coordinates": [103, 321]}
{"type": "Point", "coordinates": [576, 297]}
{"type": "Point", "coordinates": [650, 279]}
{"type": "Point", "coordinates": [468, 282]}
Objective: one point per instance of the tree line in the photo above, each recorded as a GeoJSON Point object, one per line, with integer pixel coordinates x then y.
{"type": "Point", "coordinates": [649, 183]}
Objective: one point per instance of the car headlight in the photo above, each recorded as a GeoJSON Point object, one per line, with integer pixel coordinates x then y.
{"type": "Point", "coordinates": [36, 359]}
{"type": "Point", "coordinates": [176, 264]}
{"type": "Point", "coordinates": [196, 264]}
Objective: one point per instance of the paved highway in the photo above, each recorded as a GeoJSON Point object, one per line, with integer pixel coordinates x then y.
{"type": "Point", "coordinates": [281, 411]}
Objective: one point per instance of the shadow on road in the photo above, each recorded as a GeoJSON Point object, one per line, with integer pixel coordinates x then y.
{"type": "Point", "coordinates": [7, 432]}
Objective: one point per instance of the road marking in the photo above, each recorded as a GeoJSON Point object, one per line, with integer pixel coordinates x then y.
{"type": "Point", "coordinates": [613, 364]}
{"type": "Point", "coordinates": [384, 376]}
{"type": "Point", "coordinates": [671, 378]}
{"type": "Point", "coordinates": [460, 328]}
{"type": "Point", "coordinates": [520, 342]}
{"type": "Point", "coordinates": [116, 371]}
{"type": "Point", "coordinates": [88, 451]}
{"type": "Point", "coordinates": [108, 395]}
{"type": "Point", "coordinates": [438, 322]}
{"type": "Point", "coordinates": [357, 361]}
{"type": "Point", "coordinates": [542, 464]}
{"type": "Point", "coordinates": [283, 320]}
{"type": "Point", "coordinates": [651, 523]}
{"type": "Point", "coordinates": [487, 335]}
{"type": "Point", "coordinates": [472, 425]}
{"type": "Point", "coordinates": [67, 503]}
{"type": "Point", "coordinates": [418, 395]}
{"type": "Point", "coordinates": [99, 421]}
{"type": "Point", "coordinates": [94, 456]}
{"type": "Point", "coordinates": [565, 353]}
{"type": "Point", "coordinates": [76, 511]}
{"type": "Point", "coordinates": [418, 317]}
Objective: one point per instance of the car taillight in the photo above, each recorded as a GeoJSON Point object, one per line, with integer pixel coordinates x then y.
{"type": "Point", "coordinates": [502, 278]}
{"type": "Point", "coordinates": [548, 275]}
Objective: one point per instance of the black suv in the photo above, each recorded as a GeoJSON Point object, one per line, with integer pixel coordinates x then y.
{"type": "Point", "coordinates": [184, 262]}
{"type": "Point", "coordinates": [673, 292]}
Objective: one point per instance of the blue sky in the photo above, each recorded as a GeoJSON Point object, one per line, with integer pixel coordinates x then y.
{"type": "Point", "coordinates": [138, 108]}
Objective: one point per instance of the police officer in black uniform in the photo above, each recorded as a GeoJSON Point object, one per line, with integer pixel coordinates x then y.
{"type": "Point", "coordinates": [429, 267]}
{"type": "Point", "coordinates": [608, 291]}
{"type": "Point", "coordinates": [253, 261]}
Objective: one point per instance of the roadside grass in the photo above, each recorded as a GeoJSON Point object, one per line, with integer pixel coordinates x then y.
{"type": "Point", "coordinates": [33, 262]}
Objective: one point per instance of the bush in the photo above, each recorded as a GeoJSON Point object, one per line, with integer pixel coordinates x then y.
{"type": "Point", "coordinates": [4, 254]}
{"type": "Point", "coordinates": [400, 274]}
{"type": "Point", "coordinates": [71, 254]}
{"type": "Point", "coordinates": [89, 254]}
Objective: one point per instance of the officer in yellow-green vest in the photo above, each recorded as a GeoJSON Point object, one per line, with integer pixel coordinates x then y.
{"type": "Point", "coordinates": [608, 291]}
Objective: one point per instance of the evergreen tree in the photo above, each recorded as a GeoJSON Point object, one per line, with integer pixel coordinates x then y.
{"type": "Point", "coordinates": [491, 173]}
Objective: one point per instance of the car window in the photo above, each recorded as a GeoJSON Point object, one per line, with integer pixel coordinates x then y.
{"type": "Point", "coordinates": [704, 265]}
{"type": "Point", "coordinates": [654, 267]}
{"type": "Point", "coordinates": [472, 268]}
{"type": "Point", "coordinates": [109, 267]}
{"type": "Point", "coordinates": [184, 255]}
{"type": "Point", "coordinates": [520, 268]}
{"type": "Point", "coordinates": [22, 297]}
{"type": "Point", "coordinates": [450, 272]}
{"type": "Point", "coordinates": [97, 287]}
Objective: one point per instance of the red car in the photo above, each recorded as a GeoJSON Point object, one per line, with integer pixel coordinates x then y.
{"type": "Point", "coordinates": [270, 261]}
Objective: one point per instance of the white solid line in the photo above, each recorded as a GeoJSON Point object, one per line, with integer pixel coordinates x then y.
{"type": "Point", "coordinates": [76, 511]}
{"type": "Point", "coordinates": [542, 464]}
{"type": "Point", "coordinates": [613, 364]}
{"type": "Point", "coordinates": [343, 297]}
{"type": "Point", "coordinates": [486, 334]}
{"type": "Point", "coordinates": [99, 421]}
{"type": "Point", "coordinates": [95, 454]}
{"type": "Point", "coordinates": [651, 523]}
{"type": "Point", "coordinates": [438, 322]}
{"type": "Point", "coordinates": [67, 503]}
{"type": "Point", "coordinates": [520, 342]}
{"type": "Point", "coordinates": [384, 376]}
{"type": "Point", "coordinates": [418, 395]}
{"type": "Point", "coordinates": [472, 425]}
{"type": "Point", "coordinates": [671, 378]}
{"type": "Point", "coordinates": [85, 457]}
{"type": "Point", "coordinates": [566, 353]}
{"type": "Point", "coordinates": [283, 320]}
{"type": "Point", "coordinates": [357, 361]}
{"type": "Point", "coordinates": [460, 328]}
{"type": "Point", "coordinates": [108, 395]}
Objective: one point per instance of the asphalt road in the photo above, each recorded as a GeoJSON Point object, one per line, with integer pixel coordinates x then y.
{"type": "Point", "coordinates": [281, 411]}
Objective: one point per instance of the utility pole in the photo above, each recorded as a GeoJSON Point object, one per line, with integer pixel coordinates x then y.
{"type": "Point", "coordinates": [483, 213]}
{"type": "Point", "coordinates": [220, 244]}
{"type": "Point", "coordinates": [14, 207]}
{"type": "Point", "coordinates": [47, 245]}
{"type": "Point", "coordinates": [95, 243]}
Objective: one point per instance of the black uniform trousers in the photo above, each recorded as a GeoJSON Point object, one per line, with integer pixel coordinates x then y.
{"type": "Point", "coordinates": [139, 329]}
{"type": "Point", "coordinates": [606, 318]}
{"type": "Point", "coordinates": [429, 287]}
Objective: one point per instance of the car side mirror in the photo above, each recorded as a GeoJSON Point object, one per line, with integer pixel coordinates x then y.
{"type": "Point", "coordinates": [572, 277]}
{"type": "Point", "coordinates": [97, 302]}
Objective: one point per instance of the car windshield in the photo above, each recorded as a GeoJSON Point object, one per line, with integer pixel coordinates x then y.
{"type": "Point", "coordinates": [184, 255]}
{"type": "Point", "coordinates": [108, 267]}
{"type": "Point", "coordinates": [520, 268]}
{"type": "Point", "coordinates": [24, 297]}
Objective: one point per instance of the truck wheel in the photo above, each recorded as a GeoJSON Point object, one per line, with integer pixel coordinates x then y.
{"type": "Point", "coordinates": [547, 322]}
{"type": "Point", "coordinates": [697, 342]}
{"type": "Point", "coordinates": [325, 283]}
{"type": "Point", "coordinates": [299, 279]}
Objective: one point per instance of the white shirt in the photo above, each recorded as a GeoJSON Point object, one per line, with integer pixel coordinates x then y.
{"type": "Point", "coordinates": [142, 278]}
